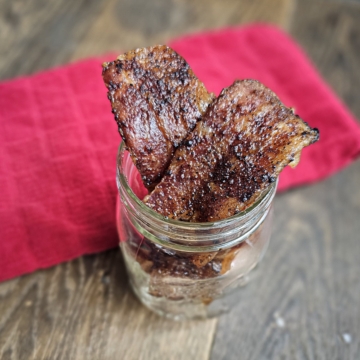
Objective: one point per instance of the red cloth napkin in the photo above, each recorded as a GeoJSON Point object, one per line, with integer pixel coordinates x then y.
{"type": "Point", "coordinates": [59, 141]}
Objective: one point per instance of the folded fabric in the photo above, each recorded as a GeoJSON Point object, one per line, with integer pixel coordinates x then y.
{"type": "Point", "coordinates": [59, 141]}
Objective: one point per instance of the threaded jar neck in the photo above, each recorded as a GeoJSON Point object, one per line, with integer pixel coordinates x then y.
{"type": "Point", "coordinates": [180, 235]}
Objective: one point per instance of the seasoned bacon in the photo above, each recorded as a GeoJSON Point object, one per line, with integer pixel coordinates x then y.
{"type": "Point", "coordinates": [156, 100]}
{"type": "Point", "coordinates": [243, 142]}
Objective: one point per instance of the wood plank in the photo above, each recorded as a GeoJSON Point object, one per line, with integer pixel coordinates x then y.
{"type": "Point", "coordinates": [330, 33]}
{"type": "Point", "coordinates": [39, 34]}
{"type": "Point", "coordinates": [128, 24]}
{"type": "Point", "coordinates": [84, 310]}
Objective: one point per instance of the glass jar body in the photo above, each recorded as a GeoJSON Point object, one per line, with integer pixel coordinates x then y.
{"type": "Point", "coordinates": [187, 270]}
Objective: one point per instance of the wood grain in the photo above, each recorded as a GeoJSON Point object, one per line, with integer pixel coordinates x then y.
{"type": "Point", "coordinates": [84, 310]}
{"type": "Point", "coordinates": [38, 34]}
{"type": "Point", "coordinates": [127, 24]}
{"type": "Point", "coordinates": [330, 33]}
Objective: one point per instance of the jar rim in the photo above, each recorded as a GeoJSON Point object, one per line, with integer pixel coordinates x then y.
{"type": "Point", "coordinates": [265, 196]}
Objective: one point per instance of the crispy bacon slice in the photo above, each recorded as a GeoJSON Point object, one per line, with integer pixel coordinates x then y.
{"type": "Point", "coordinates": [156, 100]}
{"type": "Point", "coordinates": [244, 140]}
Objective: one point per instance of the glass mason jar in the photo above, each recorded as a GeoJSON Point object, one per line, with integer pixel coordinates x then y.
{"type": "Point", "coordinates": [185, 270]}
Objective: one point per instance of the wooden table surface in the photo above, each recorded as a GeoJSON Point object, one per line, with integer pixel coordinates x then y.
{"type": "Point", "coordinates": [304, 302]}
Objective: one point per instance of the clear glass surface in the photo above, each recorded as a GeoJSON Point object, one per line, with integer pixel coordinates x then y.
{"type": "Point", "coordinates": [186, 270]}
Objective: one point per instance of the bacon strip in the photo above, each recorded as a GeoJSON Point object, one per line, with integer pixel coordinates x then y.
{"type": "Point", "coordinates": [243, 142]}
{"type": "Point", "coordinates": [156, 100]}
